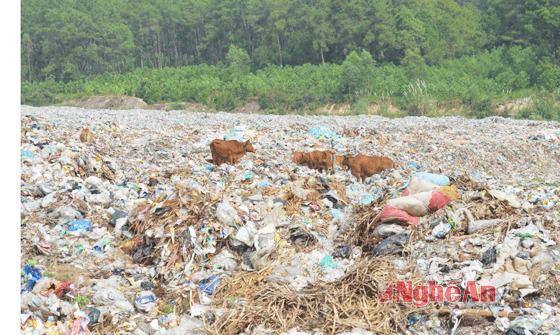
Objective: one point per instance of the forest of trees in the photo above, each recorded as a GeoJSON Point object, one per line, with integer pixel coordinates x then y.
{"type": "Point", "coordinates": [291, 54]}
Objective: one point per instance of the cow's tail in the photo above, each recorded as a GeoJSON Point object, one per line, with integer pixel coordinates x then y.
{"type": "Point", "coordinates": [333, 161]}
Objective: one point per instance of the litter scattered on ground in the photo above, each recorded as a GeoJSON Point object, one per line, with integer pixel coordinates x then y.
{"type": "Point", "coordinates": [135, 232]}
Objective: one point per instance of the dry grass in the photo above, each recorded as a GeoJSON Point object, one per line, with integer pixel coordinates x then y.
{"type": "Point", "coordinates": [335, 307]}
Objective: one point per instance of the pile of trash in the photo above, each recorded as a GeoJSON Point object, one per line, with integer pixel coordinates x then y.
{"type": "Point", "coordinates": [136, 233]}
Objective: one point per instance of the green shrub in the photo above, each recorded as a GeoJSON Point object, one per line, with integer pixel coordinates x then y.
{"type": "Point", "coordinates": [82, 301]}
{"type": "Point", "coordinates": [176, 107]}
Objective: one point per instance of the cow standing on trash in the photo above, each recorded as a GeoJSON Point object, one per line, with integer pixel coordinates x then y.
{"type": "Point", "coordinates": [318, 160]}
{"type": "Point", "coordinates": [229, 151]}
{"type": "Point", "coordinates": [362, 166]}
{"type": "Point", "coordinates": [86, 135]}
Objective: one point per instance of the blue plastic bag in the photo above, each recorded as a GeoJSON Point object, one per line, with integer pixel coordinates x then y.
{"type": "Point", "coordinates": [32, 274]}
{"type": "Point", "coordinates": [80, 225]}
{"type": "Point", "coordinates": [368, 198]}
{"type": "Point", "coordinates": [336, 213]}
{"type": "Point", "coordinates": [209, 285]}
{"type": "Point", "coordinates": [438, 179]}
{"type": "Point", "coordinates": [27, 153]}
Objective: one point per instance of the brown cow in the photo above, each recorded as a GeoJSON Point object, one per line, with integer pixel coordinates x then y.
{"type": "Point", "coordinates": [363, 166]}
{"type": "Point", "coordinates": [229, 151]}
{"type": "Point", "coordinates": [337, 160]}
{"type": "Point", "coordinates": [86, 135]}
{"type": "Point", "coordinates": [319, 160]}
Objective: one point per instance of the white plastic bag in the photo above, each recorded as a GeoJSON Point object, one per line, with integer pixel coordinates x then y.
{"type": "Point", "coordinates": [225, 213]}
{"type": "Point", "coordinates": [300, 192]}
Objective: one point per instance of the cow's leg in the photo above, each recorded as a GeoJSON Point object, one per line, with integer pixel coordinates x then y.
{"type": "Point", "coordinates": [357, 175]}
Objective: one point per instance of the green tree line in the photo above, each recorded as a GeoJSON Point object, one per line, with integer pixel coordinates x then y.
{"type": "Point", "coordinates": [289, 54]}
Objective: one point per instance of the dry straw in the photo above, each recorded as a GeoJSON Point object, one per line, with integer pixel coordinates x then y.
{"type": "Point", "coordinates": [353, 301]}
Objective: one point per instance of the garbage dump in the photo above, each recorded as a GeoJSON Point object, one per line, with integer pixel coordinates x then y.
{"type": "Point", "coordinates": [135, 232]}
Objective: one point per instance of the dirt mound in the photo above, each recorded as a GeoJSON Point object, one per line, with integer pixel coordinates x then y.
{"type": "Point", "coordinates": [249, 108]}
{"type": "Point", "coordinates": [112, 102]}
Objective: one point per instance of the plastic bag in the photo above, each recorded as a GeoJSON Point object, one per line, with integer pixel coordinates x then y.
{"type": "Point", "coordinates": [274, 216]}
{"type": "Point", "coordinates": [245, 234]}
{"type": "Point", "coordinates": [300, 192]}
{"type": "Point", "coordinates": [208, 285]}
{"type": "Point", "coordinates": [434, 179]}
{"type": "Point", "coordinates": [475, 226]}
{"type": "Point", "coordinates": [110, 296]}
{"type": "Point", "coordinates": [437, 179]}
{"type": "Point", "coordinates": [510, 198]}
{"type": "Point", "coordinates": [225, 213]}
{"type": "Point", "coordinates": [145, 301]}
{"type": "Point", "coordinates": [80, 225]}
{"type": "Point", "coordinates": [225, 260]}
{"type": "Point", "coordinates": [32, 274]}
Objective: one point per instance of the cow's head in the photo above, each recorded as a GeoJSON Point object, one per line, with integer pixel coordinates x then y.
{"type": "Point", "coordinates": [298, 156]}
{"type": "Point", "coordinates": [248, 146]}
{"type": "Point", "coordinates": [338, 160]}
{"type": "Point", "coordinates": [346, 161]}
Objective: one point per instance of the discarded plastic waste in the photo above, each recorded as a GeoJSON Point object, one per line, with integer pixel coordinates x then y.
{"type": "Point", "coordinates": [392, 244]}
{"type": "Point", "coordinates": [207, 244]}
{"type": "Point", "coordinates": [32, 274]}
{"type": "Point", "coordinates": [336, 213]}
{"type": "Point", "coordinates": [80, 225]}
{"type": "Point", "coordinates": [93, 314]}
{"type": "Point", "coordinates": [27, 153]}
{"type": "Point", "coordinates": [489, 256]}
{"type": "Point", "coordinates": [209, 285]}
{"type": "Point", "coordinates": [344, 251]}
{"type": "Point", "coordinates": [328, 261]}
{"type": "Point", "coordinates": [441, 230]}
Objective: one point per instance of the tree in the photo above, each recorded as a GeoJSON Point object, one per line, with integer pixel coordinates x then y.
{"type": "Point", "coordinates": [414, 65]}
{"type": "Point", "coordinates": [26, 41]}
{"type": "Point", "coordinates": [238, 60]}
{"type": "Point", "coordinates": [350, 75]}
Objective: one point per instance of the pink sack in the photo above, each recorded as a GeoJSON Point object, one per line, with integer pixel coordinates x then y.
{"type": "Point", "coordinates": [438, 201]}
{"type": "Point", "coordinates": [434, 200]}
{"type": "Point", "coordinates": [392, 214]}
